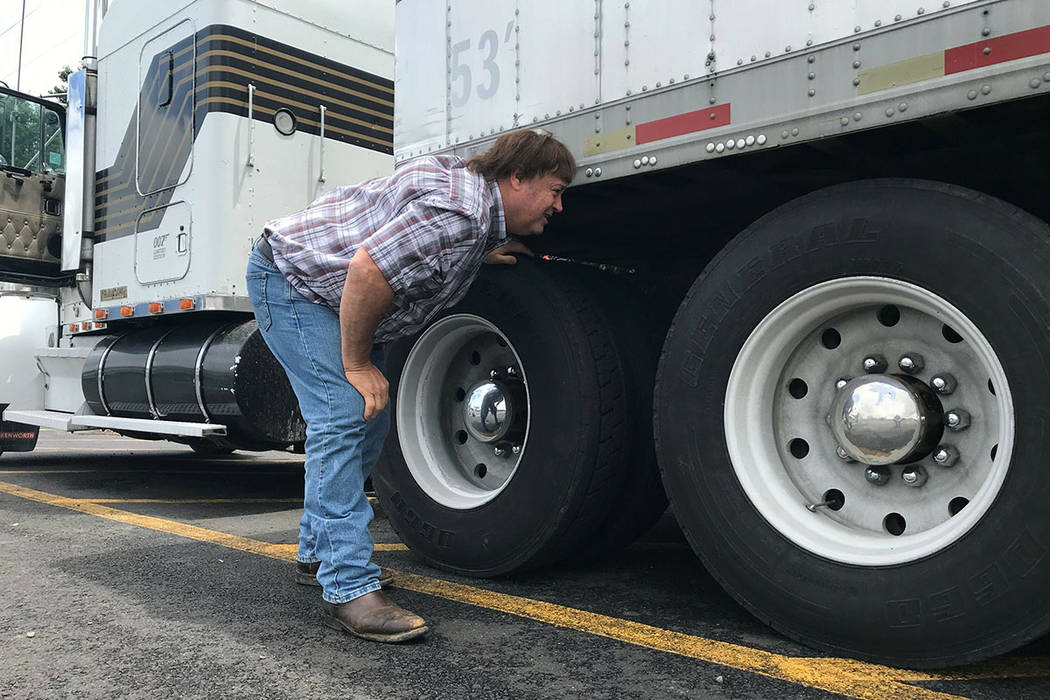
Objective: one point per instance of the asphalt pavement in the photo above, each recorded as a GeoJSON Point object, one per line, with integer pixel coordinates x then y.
{"type": "Point", "coordinates": [134, 569]}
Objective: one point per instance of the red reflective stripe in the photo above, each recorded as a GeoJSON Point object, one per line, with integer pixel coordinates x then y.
{"type": "Point", "coordinates": [682, 124]}
{"type": "Point", "coordinates": [1030, 42]}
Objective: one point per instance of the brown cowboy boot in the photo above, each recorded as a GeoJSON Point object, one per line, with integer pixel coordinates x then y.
{"type": "Point", "coordinates": [374, 617]}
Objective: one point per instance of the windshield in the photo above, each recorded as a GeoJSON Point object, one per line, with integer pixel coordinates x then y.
{"type": "Point", "coordinates": [30, 136]}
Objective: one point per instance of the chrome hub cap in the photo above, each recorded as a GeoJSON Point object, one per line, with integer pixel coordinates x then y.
{"type": "Point", "coordinates": [494, 411]}
{"type": "Point", "coordinates": [487, 413]}
{"type": "Point", "coordinates": [885, 419]}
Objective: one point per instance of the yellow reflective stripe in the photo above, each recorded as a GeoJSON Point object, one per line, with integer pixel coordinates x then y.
{"type": "Point", "coordinates": [609, 141]}
{"type": "Point", "coordinates": [912, 70]}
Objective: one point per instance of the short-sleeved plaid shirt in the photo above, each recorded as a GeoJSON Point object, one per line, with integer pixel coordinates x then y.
{"type": "Point", "coordinates": [428, 227]}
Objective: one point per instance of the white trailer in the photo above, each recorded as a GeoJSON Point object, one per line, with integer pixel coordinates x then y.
{"type": "Point", "coordinates": [844, 203]}
{"type": "Point", "coordinates": [188, 129]}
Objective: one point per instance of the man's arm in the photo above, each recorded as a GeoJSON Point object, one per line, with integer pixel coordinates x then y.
{"type": "Point", "coordinates": [366, 297]}
{"type": "Point", "coordinates": [502, 255]}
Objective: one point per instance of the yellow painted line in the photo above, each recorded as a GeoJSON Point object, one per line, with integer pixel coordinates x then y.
{"type": "Point", "coordinates": [139, 471]}
{"type": "Point", "coordinates": [855, 679]}
{"type": "Point", "coordinates": [912, 70]}
{"type": "Point", "coordinates": [371, 499]}
{"type": "Point", "coordinates": [48, 471]}
{"type": "Point", "coordinates": [844, 676]}
{"type": "Point", "coordinates": [187, 500]}
{"type": "Point", "coordinates": [390, 547]}
{"type": "Point", "coordinates": [192, 532]}
{"type": "Point", "coordinates": [289, 550]}
{"type": "Point", "coordinates": [115, 448]}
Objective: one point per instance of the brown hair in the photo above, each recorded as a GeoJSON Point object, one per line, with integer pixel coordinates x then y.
{"type": "Point", "coordinates": [527, 153]}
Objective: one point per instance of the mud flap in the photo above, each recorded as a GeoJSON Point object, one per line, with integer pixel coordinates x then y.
{"type": "Point", "coordinates": [18, 437]}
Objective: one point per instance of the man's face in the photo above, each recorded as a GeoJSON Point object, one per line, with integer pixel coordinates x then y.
{"type": "Point", "coordinates": [531, 203]}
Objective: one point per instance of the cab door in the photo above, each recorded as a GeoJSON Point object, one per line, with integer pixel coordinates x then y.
{"type": "Point", "coordinates": [32, 188]}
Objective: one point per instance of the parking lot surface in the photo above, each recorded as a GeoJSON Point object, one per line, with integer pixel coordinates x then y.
{"type": "Point", "coordinates": [140, 569]}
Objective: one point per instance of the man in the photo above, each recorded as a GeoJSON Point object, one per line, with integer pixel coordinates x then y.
{"type": "Point", "coordinates": [359, 267]}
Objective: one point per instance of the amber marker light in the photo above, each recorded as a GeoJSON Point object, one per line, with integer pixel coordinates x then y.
{"type": "Point", "coordinates": [72, 328]}
{"type": "Point", "coordinates": [85, 326]}
{"type": "Point", "coordinates": [127, 311]}
{"type": "Point", "coordinates": [156, 307]}
{"type": "Point", "coordinates": [187, 304]}
{"type": "Point", "coordinates": [101, 314]}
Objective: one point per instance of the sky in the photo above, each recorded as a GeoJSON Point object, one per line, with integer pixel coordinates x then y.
{"type": "Point", "coordinates": [54, 37]}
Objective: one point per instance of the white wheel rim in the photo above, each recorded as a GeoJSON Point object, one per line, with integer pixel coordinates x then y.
{"type": "Point", "coordinates": [762, 417]}
{"type": "Point", "coordinates": [447, 462]}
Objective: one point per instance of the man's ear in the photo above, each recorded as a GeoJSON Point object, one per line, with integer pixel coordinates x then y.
{"type": "Point", "coordinates": [515, 181]}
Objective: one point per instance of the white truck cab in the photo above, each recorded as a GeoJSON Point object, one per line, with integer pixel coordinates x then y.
{"type": "Point", "coordinates": [135, 211]}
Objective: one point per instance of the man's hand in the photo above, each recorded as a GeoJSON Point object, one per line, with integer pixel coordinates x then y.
{"type": "Point", "coordinates": [501, 256]}
{"type": "Point", "coordinates": [372, 385]}
{"type": "Point", "coordinates": [366, 295]}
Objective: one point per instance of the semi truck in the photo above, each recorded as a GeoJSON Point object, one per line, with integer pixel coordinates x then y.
{"type": "Point", "coordinates": [799, 289]}
{"type": "Point", "coordinates": [131, 213]}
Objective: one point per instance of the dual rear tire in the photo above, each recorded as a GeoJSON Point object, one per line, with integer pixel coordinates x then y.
{"type": "Point", "coordinates": [920, 562]}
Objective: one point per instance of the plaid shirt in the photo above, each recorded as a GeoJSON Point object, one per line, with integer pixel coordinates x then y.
{"type": "Point", "coordinates": [427, 227]}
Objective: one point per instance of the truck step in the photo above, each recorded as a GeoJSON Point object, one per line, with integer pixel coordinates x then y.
{"type": "Point", "coordinates": [71, 423]}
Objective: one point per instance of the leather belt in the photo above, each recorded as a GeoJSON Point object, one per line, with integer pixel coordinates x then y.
{"type": "Point", "coordinates": [262, 245]}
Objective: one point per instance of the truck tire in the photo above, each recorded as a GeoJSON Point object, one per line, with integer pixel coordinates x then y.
{"type": "Point", "coordinates": [557, 422]}
{"type": "Point", "coordinates": [638, 336]}
{"type": "Point", "coordinates": [948, 561]}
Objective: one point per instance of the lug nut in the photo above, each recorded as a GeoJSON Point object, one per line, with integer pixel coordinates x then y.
{"type": "Point", "coordinates": [843, 455]}
{"type": "Point", "coordinates": [873, 364]}
{"type": "Point", "coordinates": [516, 449]}
{"type": "Point", "coordinates": [841, 382]}
{"type": "Point", "coordinates": [499, 451]}
{"type": "Point", "coordinates": [911, 363]}
{"type": "Point", "coordinates": [943, 383]}
{"type": "Point", "coordinates": [946, 455]}
{"type": "Point", "coordinates": [914, 475]}
{"type": "Point", "coordinates": [878, 476]}
{"type": "Point", "coordinates": [957, 419]}
{"type": "Point", "coordinates": [511, 372]}
{"type": "Point", "coordinates": [494, 374]}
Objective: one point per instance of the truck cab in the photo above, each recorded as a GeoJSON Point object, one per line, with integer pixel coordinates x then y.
{"type": "Point", "coordinates": [134, 209]}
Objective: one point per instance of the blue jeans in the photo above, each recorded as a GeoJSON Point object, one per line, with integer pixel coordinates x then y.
{"type": "Point", "coordinates": [341, 447]}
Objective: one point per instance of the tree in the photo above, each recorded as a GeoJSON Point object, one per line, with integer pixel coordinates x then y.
{"type": "Point", "coordinates": [60, 90]}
